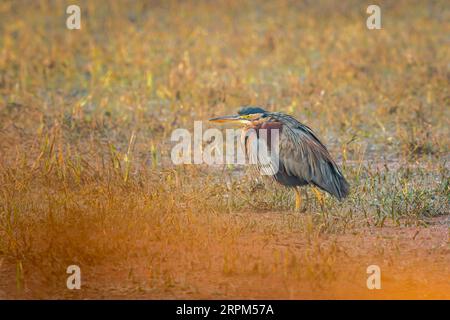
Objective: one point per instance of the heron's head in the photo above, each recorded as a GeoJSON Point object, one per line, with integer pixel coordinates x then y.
{"type": "Point", "coordinates": [246, 116]}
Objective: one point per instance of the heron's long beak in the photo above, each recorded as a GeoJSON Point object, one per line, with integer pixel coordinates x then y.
{"type": "Point", "coordinates": [228, 119]}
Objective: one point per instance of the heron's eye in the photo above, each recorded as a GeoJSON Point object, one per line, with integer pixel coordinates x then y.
{"type": "Point", "coordinates": [246, 116]}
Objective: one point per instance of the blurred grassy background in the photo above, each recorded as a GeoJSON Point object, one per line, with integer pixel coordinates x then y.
{"type": "Point", "coordinates": [86, 117]}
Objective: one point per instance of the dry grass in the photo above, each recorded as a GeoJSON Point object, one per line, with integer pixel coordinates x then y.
{"type": "Point", "coordinates": [85, 171]}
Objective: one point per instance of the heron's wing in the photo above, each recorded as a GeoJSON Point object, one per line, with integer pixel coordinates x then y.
{"type": "Point", "coordinates": [303, 155]}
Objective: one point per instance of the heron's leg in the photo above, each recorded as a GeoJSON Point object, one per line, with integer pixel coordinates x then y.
{"type": "Point", "coordinates": [308, 203]}
{"type": "Point", "coordinates": [298, 199]}
{"type": "Point", "coordinates": [318, 196]}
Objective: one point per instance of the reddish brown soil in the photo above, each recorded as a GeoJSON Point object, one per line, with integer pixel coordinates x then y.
{"type": "Point", "coordinates": [414, 262]}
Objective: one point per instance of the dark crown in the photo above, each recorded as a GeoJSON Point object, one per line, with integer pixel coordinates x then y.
{"type": "Point", "coordinates": [250, 110]}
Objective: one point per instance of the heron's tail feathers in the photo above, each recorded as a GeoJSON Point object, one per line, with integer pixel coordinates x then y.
{"type": "Point", "coordinates": [343, 188]}
{"type": "Point", "coordinates": [333, 182]}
